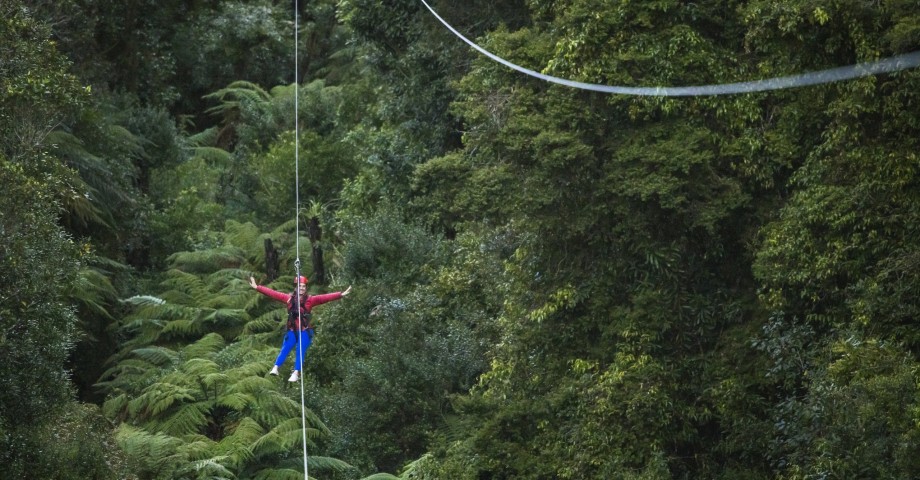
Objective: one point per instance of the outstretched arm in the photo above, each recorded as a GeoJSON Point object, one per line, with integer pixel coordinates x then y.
{"type": "Point", "coordinates": [314, 300]}
{"type": "Point", "coordinates": [281, 297]}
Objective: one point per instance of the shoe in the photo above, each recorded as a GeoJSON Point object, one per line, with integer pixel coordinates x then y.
{"type": "Point", "coordinates": [294, 376]}
{"type": "Point", "coordinates": [274, 371]}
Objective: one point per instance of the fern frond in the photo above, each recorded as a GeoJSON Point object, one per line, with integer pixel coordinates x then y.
{"type": "Point", "coordinates": [199, 367]}
{"type": "Point", "coordinates": [278, 474]}
{"type": "Point", "coordinates": [127, 369]}
{"type": "Point", "coordinates": [144, 300]}
{"type": "Point", "coordinates": [224, 316]}
{"type": "Point", "coordinates": [115, 406]}
{"type": "Point", "coordinates": [211, 468]}
{"type": "Point", "coordinates": [280, 91]}
{"type": "Point", "coordinates": [241, 89]}
{"type": "Point", "coordinates": [251, 375]}
{"type": "Point", "coordinates": [252, 384]}
{"type": "Point", "coordinates": [158, 356]}
{"type": "Point", "coordinates": [410, 470]}
{"type": "Point", "coordinates": [189, 418]}
{"type": "Point", "coordinates": [327, 464]}
{"type": "Point", "coordinates": [237, 443]}
{"type": "Point", "coordinates": [273, 407]}
{"type": "Point", "coordinates": [248, 430]}
{"type": "Point", "coordinates": [213, 155]}
{"type": "Point", "coordinates": [205, 346]}
{"type": "Point", "coordinates": [179, 280]}
{"type": "Point", "coordinates": [93, 289]}
{"type": "Point", "coordinates": [260, 325]}
{"type": "Point", "coordinates": [381, 476]}
{"type": "Point", "coordinates": [198, 446]}
{"type": "Point", "coordinates": [285, 435]}
{"type": "Point", "coordinates": [152, 450]}
{"type": "Point", "coordinates": [237, 401]}
{"type": "Point", "coordinates": [245, 236]}
{"type": "Point", "coordinates": [182, 328]}
{"type": "Point", "coordinates": [206, 261]}
{"type": "Point", "coordinates": [159, 397]}
{"type": "Point", "coordinates": [205, 137]}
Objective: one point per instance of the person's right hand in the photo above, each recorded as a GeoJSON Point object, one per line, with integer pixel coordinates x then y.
{"type": "Point", "coordinates": [252, 282]}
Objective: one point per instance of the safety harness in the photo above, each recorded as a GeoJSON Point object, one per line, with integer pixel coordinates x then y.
{"type": "Point", "coordinates": [294, 309]}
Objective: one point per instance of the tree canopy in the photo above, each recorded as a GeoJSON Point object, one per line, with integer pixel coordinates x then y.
{"type": "Point", "coordinates": [548, 283]}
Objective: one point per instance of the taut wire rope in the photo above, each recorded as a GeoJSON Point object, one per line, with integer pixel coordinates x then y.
{"type": "Point", "coordinates": [885, 65]}
{"type": "Point", "coordinates": [300, 332]}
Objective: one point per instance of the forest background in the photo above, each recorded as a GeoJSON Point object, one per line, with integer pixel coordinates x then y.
{"type": "Point", "coordinates": [549, 283]}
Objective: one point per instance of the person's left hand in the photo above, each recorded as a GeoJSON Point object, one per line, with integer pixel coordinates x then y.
{"type": "Point", "coordinates": [252, 282]}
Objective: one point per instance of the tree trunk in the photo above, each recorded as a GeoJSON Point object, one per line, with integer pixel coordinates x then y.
{"type": "Point", "coordinates": [271, 261]}
{"type": "Point", "coordinates": [316, 234]}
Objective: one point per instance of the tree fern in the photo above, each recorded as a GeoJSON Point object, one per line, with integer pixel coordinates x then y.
{"type": "Point", "coordinates": [278, 474]}
{"type": "Point", "coordinates": [159, 356]}
{"type": "Point", "coordinates": [205, 346]}
{"type": "Point", "coordinates": [192, 371]}
{"type": "Point", "coordinates": [204, 138]}
{"type": "Point", "coordinates": [187, 419]}
{"type": "Point", "coordinates": [235, 93]}
{"type": "Point", "coordinates": [159, 397]}
{"type": "Point", "coordinates": [382, 476]}
{"type": "Point", "coordinates": [152, 454]}
{"type": "Point", "coordinates": [214, 156]}
{"type": "Point", "coordinates": [211, 468]}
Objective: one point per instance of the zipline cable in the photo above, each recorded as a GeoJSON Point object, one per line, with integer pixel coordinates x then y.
{"type": "Point", "coordinates": [885, 65]}
{"type": "Point", "coordinates": [299, 334]}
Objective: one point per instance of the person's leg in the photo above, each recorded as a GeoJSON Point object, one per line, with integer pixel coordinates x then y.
{"type": "Point", "coordinates": [290, 340]}
{"type": "Point", "coordinates": [306, 339]}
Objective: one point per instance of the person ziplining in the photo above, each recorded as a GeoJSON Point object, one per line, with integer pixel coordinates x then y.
{"type": "Point", "coordinates": [299, 322]}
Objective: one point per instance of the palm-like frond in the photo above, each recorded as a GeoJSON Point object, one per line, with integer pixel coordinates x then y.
{"type": "Point", "coordinates": [204, 138]}
{"type": "Point", "coordinates": [381, 476]}
{"type": "Point", "coordinates": [212, 469]}
{"type": "Point", "coordinates": [187, 419]}
{"type": "Point", "coordinates": [159, 356]}
{"type": "Point", "coordinates": [327, 464]}
{"type": "Point", "coordinates": [234, 94]}
{"type": "Point", "coordinates": [151, 452]}
{"type": "Point", "coordinates": [159, 397]}
{"type": "Point", "coordinates": [238, 442]}
{"type": "Point", "coordinates": [93, 289]}
{"type": "Point", "coordinates": [215, 156]}
{"type": "Point", "coordinates": [144, 300]}
{"type": "Point", "coordinates": [278, 474]}
{"type": "Point", "coordinates": [283, 437]}
{"type": "Point", "coordinates": [246, 236]}
{"type": "Point", "coordinates": [205, 346]}
{"type": "Point", "coordinates": [237, 401]}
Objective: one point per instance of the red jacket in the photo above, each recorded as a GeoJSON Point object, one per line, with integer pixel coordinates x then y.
{"type": "Point", "coordinates": [309, 303]}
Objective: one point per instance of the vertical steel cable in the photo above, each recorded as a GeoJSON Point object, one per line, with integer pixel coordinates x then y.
{"type": "Point", "coordinates": [303, 408]}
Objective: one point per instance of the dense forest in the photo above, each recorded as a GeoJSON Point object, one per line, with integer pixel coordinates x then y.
{"type": "Point", "coordinates": [548, 282]}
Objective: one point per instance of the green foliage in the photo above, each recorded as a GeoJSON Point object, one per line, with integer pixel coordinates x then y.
{"type": "Point", "coordinates": [37, 91]}
{"type": "Point", "coordinates": [638, 216]}
{"type": "Point", "coordinates": [40, 258]}
{"type": "Point", "coordinates": [189, 384]}
{"type": "Point", "coordinates": [858, 418]}
{"type": "Point", "coordinates": [39, 329]}
{"type": "Point", "coordinates": [413, 334]}
{"type": "Point", "coordinates": [233, 40]}
{"type": "Point", "coordinates": [549, 283]}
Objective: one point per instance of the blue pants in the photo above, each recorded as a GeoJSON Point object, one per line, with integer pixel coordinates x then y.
{"type": "Point", "coordinates": [290, 343]}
